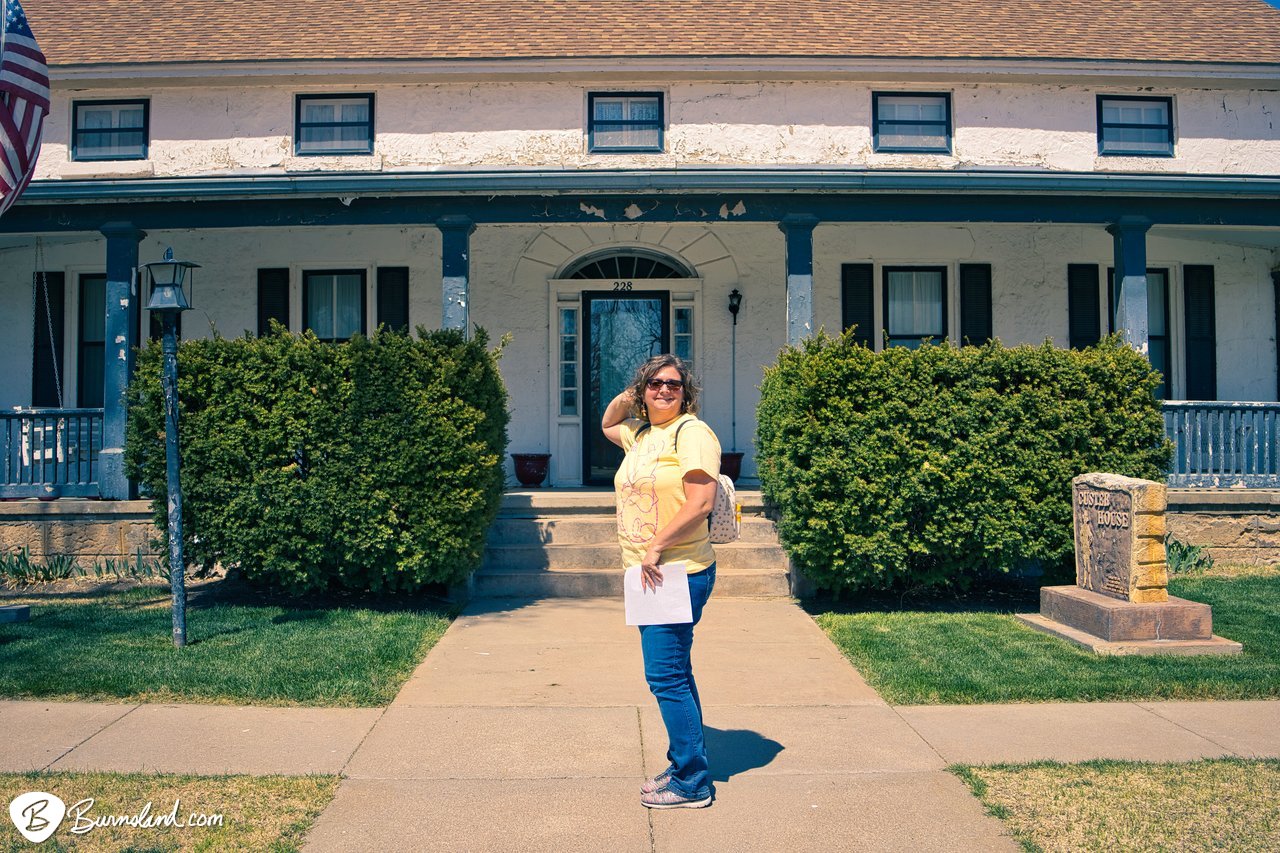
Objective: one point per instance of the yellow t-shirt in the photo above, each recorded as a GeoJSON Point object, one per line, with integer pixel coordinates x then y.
{"type": "Point", "coordinates": [650, 488]}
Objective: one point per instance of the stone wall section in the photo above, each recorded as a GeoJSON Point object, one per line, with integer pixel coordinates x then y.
{"type": "Point", "coordinates": [1234, 525]}
{"type": "Point", "coordinates": [89, 530]}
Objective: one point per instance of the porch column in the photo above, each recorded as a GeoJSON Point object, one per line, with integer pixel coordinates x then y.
{"type": "Point", "coordinates": [1275, 286]}
{"type": "Point", "coordinates": [799, 230]}
{"type": "Point", "coordinates": [123, 306]}
{"type": "Point", "coordinates": [1129, 235]}
{"type": "Point", "coordinates": [456, 266]}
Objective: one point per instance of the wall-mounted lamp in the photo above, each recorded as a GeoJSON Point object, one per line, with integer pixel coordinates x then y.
{"type": "Point", "coordinates": [735, 304]}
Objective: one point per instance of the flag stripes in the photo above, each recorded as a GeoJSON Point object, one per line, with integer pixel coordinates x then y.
{"type": "Point", "coordinates": [24, 102]}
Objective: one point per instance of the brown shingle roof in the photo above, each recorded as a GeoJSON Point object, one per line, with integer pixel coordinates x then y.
{"type": "Point", "coordinates": [75, 32]}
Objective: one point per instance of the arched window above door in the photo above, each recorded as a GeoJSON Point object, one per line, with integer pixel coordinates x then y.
{"type": "Point", "coordinates": [627, 264]}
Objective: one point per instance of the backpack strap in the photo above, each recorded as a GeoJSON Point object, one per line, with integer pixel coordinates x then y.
{"type": "Point", "coordinates": [675, 440]}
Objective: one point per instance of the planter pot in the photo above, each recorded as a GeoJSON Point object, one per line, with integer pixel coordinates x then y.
{"type": "Point", "coordinates": [531, 468]}
{"type": "Point", "coordinates": [731, 464]}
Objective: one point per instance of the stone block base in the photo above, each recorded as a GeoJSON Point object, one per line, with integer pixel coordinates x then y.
{"type": "Point", "coordinates": [1213, 646]}
{"type": "Point", "coordinates": [1111, 626]}
{"type": "Point", "coordinates": [1113, 619]}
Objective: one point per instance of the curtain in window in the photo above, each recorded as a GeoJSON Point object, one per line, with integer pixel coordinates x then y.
{"type": "Point", "coordinates": [320, 305]}
{"type": "Point", "coordinates": [347, 303]}
{"type": "Point", "coordinates": [912, 121]}
{"type": "Point", "coordinates": [915, 304]}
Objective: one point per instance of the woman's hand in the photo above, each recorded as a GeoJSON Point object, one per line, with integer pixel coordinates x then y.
{"type": "Point", "coordinates": [650, 574]}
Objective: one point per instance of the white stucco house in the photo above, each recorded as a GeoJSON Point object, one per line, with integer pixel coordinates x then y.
{"type": "Point", "coordinates": [598, 178]}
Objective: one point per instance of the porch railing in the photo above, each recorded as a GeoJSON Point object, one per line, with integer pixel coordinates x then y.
{"type": "Point", "coordinates": [50, 453]}
{"type": "Point", "coordinates": [1224, 445]}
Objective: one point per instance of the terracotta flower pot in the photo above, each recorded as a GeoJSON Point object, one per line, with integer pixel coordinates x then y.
{"type": "Point", "coordinates": [731, 464]}
{"type": "Point", "coordinates": [531, 468]}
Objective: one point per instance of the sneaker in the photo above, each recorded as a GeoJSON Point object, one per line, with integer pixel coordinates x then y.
{"type": "Point", "coordinates": [669, 798]}
{"type": "Point", "coordinates": [653, 783]}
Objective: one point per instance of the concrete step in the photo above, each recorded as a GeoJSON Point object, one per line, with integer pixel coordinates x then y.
{"type": "Point", "coordinates": [596, 530]}
{"type": "Point", "coordinates": [534, 503]}
{"type": "Point", "coordinates": [596, 583]}
{"type": "Point", "coordinates": [563, 543]}
{"type": "Point", "coordinates": [747, 556]}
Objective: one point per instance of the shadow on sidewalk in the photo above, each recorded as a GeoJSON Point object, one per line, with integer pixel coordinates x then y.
{"type": "Point", "coordinates": [734, 751]}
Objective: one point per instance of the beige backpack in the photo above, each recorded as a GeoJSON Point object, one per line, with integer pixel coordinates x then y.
{"type": "Point", "coordinates": [725, 521]}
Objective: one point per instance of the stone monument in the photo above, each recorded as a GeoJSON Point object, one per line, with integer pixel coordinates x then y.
{"type": "Point", "coordinates": [1120, 604]}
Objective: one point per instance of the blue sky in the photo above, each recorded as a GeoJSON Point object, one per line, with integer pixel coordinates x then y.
{"type": "Point", "coordinates": [1275, 3]}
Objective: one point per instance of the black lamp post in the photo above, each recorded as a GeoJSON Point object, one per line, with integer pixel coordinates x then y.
{"type": "Point", "coordinates": [169, 300]}
{"type": "Point", "coordinates": [735, 305]}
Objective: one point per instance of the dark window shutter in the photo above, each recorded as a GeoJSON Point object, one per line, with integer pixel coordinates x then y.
{"type": "Point", "coordinates": [273, 298]}
{"type": "Point", "coordinates": [857, 308]}
{"type": "Point", "coordinates": [975, 303]}
{"type": "Point", "coordinates": [47, 374]}
{"type": "Point", "coordinates": [393, 298]}
{"type": "Point", "coordinates": [1202, 338]}
{"type": "Point", "coordinates": [1082, 305]}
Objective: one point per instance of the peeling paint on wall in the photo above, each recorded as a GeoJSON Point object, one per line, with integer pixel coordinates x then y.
{"type": "Point", "coordinates": [542, 125]}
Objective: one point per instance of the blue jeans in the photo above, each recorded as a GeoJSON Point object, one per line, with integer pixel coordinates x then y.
{"type": "Point", "coordinates": [668, 667]}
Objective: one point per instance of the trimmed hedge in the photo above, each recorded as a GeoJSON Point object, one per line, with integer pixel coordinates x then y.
{"type": "Point", "coordinates": [934, 466]}
{"type": "Point", "coordinates": [374, 464]}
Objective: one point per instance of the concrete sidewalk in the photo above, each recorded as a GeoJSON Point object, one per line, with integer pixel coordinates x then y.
{"type": "Point", "coordinates": [529, 726]}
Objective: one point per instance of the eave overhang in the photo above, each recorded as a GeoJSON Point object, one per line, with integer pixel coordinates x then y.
{"type": "Point", "coordinates": [692, 68]}
{"type": "Point", "coordinates": [550, 182]}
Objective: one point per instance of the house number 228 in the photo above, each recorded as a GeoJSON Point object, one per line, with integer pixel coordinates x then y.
{"type": "Point", "coordinates": [622, 285]}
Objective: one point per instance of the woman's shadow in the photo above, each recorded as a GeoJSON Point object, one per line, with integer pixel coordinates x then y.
{"type": "Point", "coordinates": [734, 751]}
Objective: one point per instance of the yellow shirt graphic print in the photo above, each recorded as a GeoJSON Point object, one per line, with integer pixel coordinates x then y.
{"type": "Point", "coordinates": [650, 487]}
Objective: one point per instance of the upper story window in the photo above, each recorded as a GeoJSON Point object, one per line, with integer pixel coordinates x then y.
{"type": "Point", "coordinates": [1135, 126]}
{"type": "Point", "coordinates": [334, 124]}
{"type": "Point", "coordinates": [110, 130]}
{"type": "Point", "coordinates": [911, 122]}
{"type": "Point", "coordinates": [624, 121]}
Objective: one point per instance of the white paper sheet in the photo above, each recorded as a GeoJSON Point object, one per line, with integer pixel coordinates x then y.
{"type": "Point", "coordinates": [669, 604]}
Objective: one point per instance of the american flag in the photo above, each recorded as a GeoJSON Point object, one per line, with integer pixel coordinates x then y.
{"type": "Point", "coordinates": [24, 102]}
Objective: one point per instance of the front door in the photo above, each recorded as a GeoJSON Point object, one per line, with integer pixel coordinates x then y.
{"type": "Point", "coordinates": [621, 330]}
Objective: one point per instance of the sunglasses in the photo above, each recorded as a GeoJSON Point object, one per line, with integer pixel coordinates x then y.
{"type": "Point", "coordinates": [673, 384]}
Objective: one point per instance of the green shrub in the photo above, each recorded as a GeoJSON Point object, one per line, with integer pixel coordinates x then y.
{"type": "Point", "coordinates": [1185, 558]}
{"type": "Point", "coordinates": [930, 467]}
{"type": "Point", "coordinates": [373, 465]}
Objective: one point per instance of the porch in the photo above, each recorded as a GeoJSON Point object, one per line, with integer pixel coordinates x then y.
{"type": "Point", "coordinates": [51, 453]}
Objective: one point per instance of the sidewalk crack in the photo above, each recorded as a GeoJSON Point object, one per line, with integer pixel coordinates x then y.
{"type": "Point", "coordinates": [1189, 731]}
{"type": "Point", "coordinates": [923, 739]}
{"type": "Point", "coordinates": [342, 771]}
{"type": "Point", "coordinates": [644, 772]}
{"type": "Point", "coordinates": [73, 748]}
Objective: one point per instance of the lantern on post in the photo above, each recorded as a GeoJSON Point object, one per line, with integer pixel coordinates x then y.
{"type": "Point", "coordinates": [169, 299]}
{"type": "Point", "coordinates": [734, 457]}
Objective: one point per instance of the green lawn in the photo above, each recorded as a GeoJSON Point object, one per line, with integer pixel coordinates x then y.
{"type": "Point", "coordinates": [119, 646]}
{"type": "Point", "coordinates": [958, 656]}
{"type": "Point", "coordinates": [271, 813]}
{"type": "Point", "coordinates": [1220, 804]}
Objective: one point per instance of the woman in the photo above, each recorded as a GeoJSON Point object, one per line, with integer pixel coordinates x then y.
{"type": "Point", "coordinates": [666, 488]}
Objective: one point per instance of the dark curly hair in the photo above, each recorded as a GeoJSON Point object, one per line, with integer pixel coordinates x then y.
{"type": "Point", "coordinates": [646, 371]}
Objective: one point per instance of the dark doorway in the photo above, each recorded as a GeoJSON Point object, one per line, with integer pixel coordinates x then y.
{"type": "Point", "coordinates": [621, 330]}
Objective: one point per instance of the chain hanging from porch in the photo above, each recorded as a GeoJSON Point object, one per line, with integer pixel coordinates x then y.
{"type": "Point", "coordinates": [39, 288]}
